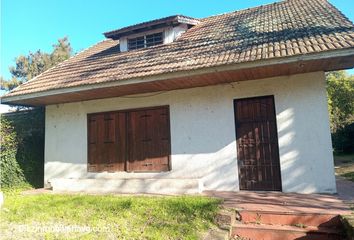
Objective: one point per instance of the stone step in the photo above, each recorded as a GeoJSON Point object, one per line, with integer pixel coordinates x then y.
{"type": "Point", "coordinates": [277, 232]}
{"type": "Point", "coordinates": [290, 218]}
{"type": "Point", "coordinates": [133, 185]}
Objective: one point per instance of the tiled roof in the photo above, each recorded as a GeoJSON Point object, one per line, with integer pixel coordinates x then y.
{"type": "Point", "coordinates": [279, 30]}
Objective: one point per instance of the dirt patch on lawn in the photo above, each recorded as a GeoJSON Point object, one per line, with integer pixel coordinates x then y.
{"type": "Point", "coordinates": [344, 166]}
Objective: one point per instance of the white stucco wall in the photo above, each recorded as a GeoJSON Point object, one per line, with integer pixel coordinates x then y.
{"type": "Point", "coordinates": [203, 133]}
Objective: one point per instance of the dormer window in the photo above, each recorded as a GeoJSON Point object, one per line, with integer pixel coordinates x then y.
{"type": "Point", "coordinates": [151, 33]}
{"type": "Point", "coordinates": [145, 41]}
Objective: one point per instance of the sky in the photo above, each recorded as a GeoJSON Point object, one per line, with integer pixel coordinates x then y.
{"type": "Point", "coordinates": [29, 25]}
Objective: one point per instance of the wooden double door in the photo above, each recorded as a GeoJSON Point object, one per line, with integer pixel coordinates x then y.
{"type": "Point", "coordinates": [257, 144]}
{"type": "Point", "coordinates": [130, 140]}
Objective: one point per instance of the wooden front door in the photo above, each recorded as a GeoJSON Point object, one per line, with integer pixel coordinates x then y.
{"type": "Point", "coordinates": [257, 144]}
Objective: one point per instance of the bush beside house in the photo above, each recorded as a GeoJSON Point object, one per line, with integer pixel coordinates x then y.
{"type": "Point", "coordinates": [11, 172]}
{"type": "Point", "coordinates": [340, 90]}
{"type": "Point", "coordinates": [22, 148]}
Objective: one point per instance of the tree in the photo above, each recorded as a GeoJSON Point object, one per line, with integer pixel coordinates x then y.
{"type": "Point", "coordinates": [340, 89]}
{"type": "Point", "coordinates": [61, 51]}
{"type": "Point", "coordinates": [9, 84]}
{"type": "Point", "coordinates": [22, 134]}
{"type": "Point", "coordinates": [30, 66]}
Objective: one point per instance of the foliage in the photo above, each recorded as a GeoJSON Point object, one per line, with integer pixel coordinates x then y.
{"type": "Point", "coordinates": [116, 217]}
{"type": "Point", "coordinates": [340, 89]}
{"type": "Point", "coordinates": [29, 129]}
{"type": "Point", "coordinates": [349, 176]}
{"type": "Point", "coordinates": [28, 67]}
{"type": "Point", "coordinates": [344, 165]}
{"type": "Point", "coordinates": [343, 139]}
{"type": "Point", "coordinates": [9, 84]}
{"type": "Point", "coordinates": [28, 126]}
{"type": "Point", "coordinates": [15, 190]}
{"type": "Point", "coordinates": [11, 173]}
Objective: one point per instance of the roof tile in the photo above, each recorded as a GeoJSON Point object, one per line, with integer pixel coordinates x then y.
{"type": "Point", "coordinates": [282, 29]}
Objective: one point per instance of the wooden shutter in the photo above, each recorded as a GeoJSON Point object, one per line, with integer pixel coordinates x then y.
{"type": "Point", "coordinates": [92, 126]}
{"type": "Point", "coordinates": [106, 145]}
{"type": "Point", "coordinates": [121, 144]}
{"type": "Point", "coordinates": [161, 133]}
{"type": "Point", "coordinates": [133, 140]}
{"type": "Point", "coordinates": [149, 140]}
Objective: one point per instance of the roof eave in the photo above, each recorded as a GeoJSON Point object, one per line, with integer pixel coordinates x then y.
{"type": "Point", "coordinates": [342, 59]}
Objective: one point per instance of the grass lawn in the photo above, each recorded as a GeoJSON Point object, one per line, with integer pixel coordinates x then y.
{"type": "Point", "coordinates": [54, 216]}
{"type": "Point", "coordinates": [344, 165]}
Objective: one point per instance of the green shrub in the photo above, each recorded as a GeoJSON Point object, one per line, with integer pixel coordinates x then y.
{"type": "Point", "coordinates": [29, 128]}
{"type": "Point", "coordinates": [343, 139]}
{"type": "Point", "coordinates": [11, 173]}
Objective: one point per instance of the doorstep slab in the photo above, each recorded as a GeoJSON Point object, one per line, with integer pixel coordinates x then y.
{"type": "Point", "coordinates": [282, 202]}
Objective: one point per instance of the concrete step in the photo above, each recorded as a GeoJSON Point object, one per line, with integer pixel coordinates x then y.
{"type": "Point", "coordinates": [289, 218]}
{"type": "Point", "coordinates": [277, 232]}
{"type": "Point", "coordinates": [134, 185]}
{"type": "Point", "coordinates": [215, 234]}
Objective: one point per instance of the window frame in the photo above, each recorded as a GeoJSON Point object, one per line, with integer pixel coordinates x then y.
{"type": "Point", "coordinates": [145, 43]}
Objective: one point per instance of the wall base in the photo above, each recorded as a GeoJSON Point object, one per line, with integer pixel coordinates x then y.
{"type": "Point", "coordinates": [154, 186]}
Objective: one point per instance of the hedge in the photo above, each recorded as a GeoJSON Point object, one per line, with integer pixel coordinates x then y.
{"type": "Point", "coordinates": [11, 172]}
{"type": "Point", "coordinates": [22, 148]}
{"type": "Point", "coordinates": [343, 139]}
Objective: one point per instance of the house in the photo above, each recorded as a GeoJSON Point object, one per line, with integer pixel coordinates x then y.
{"type": "Point", "coordinates": [230, 102]}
